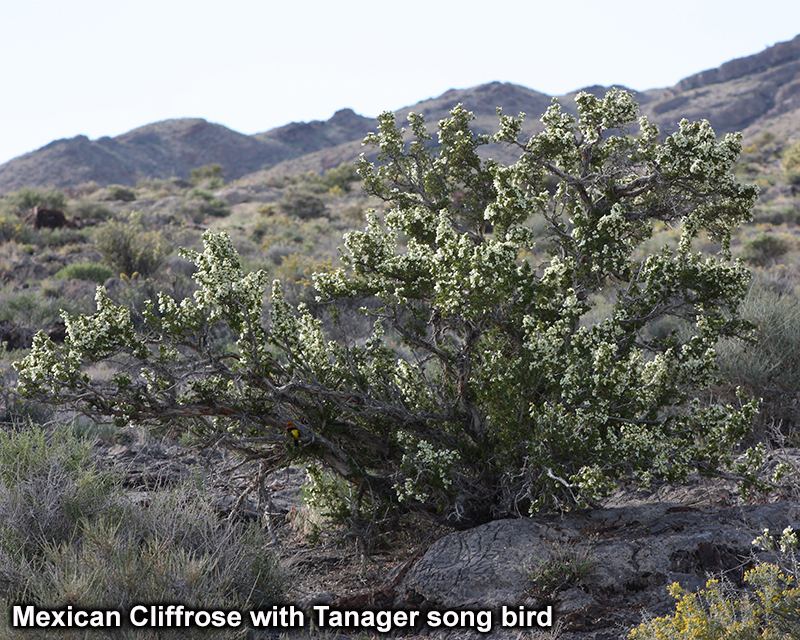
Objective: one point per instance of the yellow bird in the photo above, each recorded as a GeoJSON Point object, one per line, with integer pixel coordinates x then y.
{"type": "Point", "coordinates": [293, 431]}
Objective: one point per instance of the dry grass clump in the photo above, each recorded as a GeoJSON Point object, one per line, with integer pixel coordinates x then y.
{"type": "Point", "coordinates": [71, 536]}
{"type": "Point", "coordinates": [768, 366]}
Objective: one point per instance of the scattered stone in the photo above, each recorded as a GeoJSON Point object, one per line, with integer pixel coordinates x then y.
{"type": "Point", "coordinates": [41, 217]}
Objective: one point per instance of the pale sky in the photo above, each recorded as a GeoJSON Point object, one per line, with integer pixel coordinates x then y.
{"type": "Point", "coordinates": [104, 67]}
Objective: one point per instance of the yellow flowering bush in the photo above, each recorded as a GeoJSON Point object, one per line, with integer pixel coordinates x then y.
{"type": "Point", "coordinates": [769, 611]}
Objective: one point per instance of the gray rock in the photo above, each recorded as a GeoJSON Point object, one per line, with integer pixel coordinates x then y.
{"type": "Point", "coordinates": [482, 567]}
{"type": "Point", "coordinates": [14, 336]}
{"type": "Point", "coordinates": [575, 599]}
{"type": "Point", "coordinates": [233, 195]}
{"type": "Point", "coordinates": [636, 553]}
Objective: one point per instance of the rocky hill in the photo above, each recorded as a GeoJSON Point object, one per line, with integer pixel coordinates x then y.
{"type": "Point", "coordinates": [752, 94]}
{"type": "Point", "coordinates": [172, 148]}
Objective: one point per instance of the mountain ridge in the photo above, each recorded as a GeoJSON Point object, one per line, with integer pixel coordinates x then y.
{"type": "Point", "coordinates": [752, 94]}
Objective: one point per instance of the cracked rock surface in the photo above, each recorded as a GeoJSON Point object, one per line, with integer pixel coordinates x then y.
{"type": "Point", "coordinates": [635, 553]}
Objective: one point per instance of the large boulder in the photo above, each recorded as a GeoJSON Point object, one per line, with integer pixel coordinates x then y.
{"type": "Point", "coordinates": [15, 336]}
{"type": "Point", "coordinates": [41, 217]}
{"type": "Point", "coordinates": [632, 554]}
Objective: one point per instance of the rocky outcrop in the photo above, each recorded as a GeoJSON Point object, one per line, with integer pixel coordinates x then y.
{"type": "Point", "coordinates": [629, 552]}
{"type": "Point", "coordinates": [41, 217]}
{"type": "Point", "coordinates": [779, 54]}
{"type": "Point", "coordinates": [299, 138]}
{"type": "Point", "coordinates": [14, 336]}
{"type": "Point", "coordinates": [633, 553]}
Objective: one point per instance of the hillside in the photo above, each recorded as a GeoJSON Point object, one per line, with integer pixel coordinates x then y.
{"type": "Point", "coordinates": [482, 100]}
{"type": "Point", "coordinates": [148, 505]}
{"type": "Point", "coordinates": [753, 94]}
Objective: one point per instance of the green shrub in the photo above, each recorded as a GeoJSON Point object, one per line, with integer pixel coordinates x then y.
{"type": "Point", "coordinates": [93, 271]}
{"type": "Point", "coordinates": [26, 198]}
{"type": "Point", "coordinates": [309, 181]}
{"type": "Point", "coordinates": [89, 210]}
{"type": "Point", "coordinates": [28, 308]}
{"type": "Point", "coordinates": [202, 203]}
{"type": "Point", "coordinates": [129, 249]}
{"type": "Point", "coordinates": [768, 366]}
{"type": "Point", "coordinates": [13, 228]}
{"type": "Point", "coordinates": [497, 391]}
{"type": "Point", "coordinates": [777, 214]}
{"type": "Point", "coordinates": [68, 535]}
{"type": "Point", "coordinates": [276, 181]}
{"type": "Point", "coordinates": [86, 188]}
{"type": "Point", "coordinates": [301, 203]}
{"type": "Point", "coordinates": [175, 550]}
{"type": "Point", "coordinates": [48, 485]}
{"type": "Point", "coordinates": [793, 176]}
{"type": "Point", "coordinates": [199, 211]}
{"type": "Point", "coordinates": [720, 612]}
{"type": "Point", "coordinates": [56, 237]}
{"type": "Point", "coordinates": [764, 249]}
{"type": "Point", "coordinates": [791, 163]}
{"type": "Point", "coordinates": [15, 410]}
{"type": "Point", "coordinates": [209, 176]}
{"type": "Point", "coordinates": [791, 157]}
{"type": "Point", "coordinates": [342, 177]}
{"type": "Point", "coordinates": [567, 566]}
{"type": "Point", "coordinates": [120, 193]}
{"type": "Point", "coordinates": [161, 188]}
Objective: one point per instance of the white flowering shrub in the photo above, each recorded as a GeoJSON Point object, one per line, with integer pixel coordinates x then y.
{"type": "Point", "coordinates": [425, 468]}
{"type": "Point", "coordinates": [505, 393]}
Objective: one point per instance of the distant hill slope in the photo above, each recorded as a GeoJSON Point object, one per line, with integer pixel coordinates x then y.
{"type": "Point", "coordinates": [172, 148]}
{"type": "Point", "coordinates": [300, 138]}
{"type": "Point", "coordinates": [748, 94]}
{"type": "Point", "coordinates": [482, 100]}
{"type": "Point", "coordinates": [752, 94]}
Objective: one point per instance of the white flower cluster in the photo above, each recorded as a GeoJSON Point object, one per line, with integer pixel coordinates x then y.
{"type": "Point", "coordinates": [786, 543]}
{"type": "Point", "coordinates": [426, 468]}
